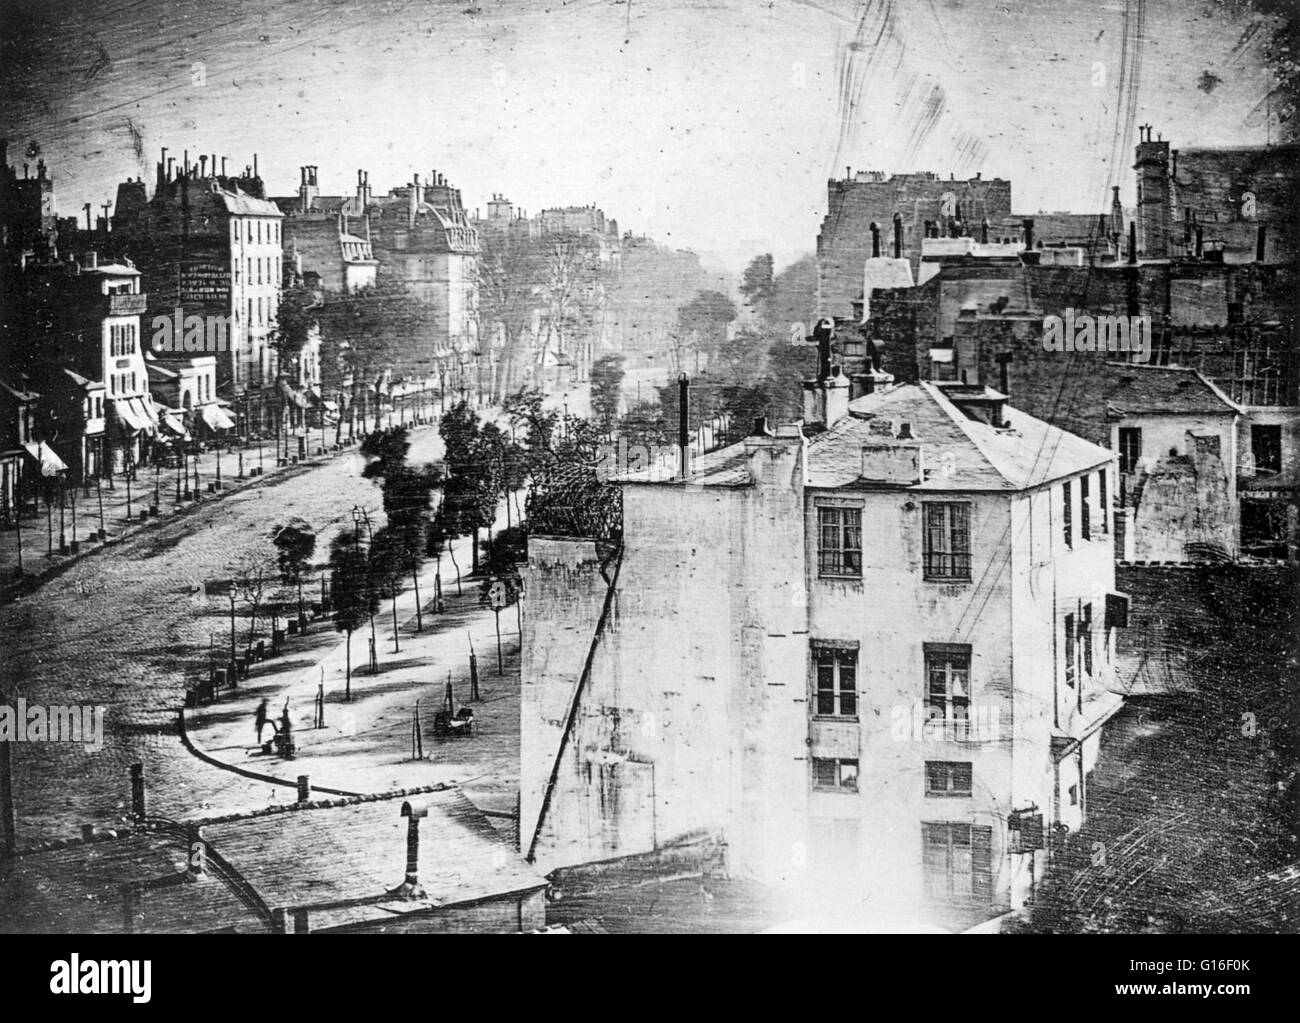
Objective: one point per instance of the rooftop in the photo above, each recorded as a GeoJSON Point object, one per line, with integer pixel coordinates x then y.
{"type": "Point", "coordinates": [960, 453]}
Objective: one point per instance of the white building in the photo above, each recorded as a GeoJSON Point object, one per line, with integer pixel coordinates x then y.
{"type": "Point", "coordinates": [760, 659]}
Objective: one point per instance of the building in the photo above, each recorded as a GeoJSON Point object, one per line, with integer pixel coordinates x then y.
{"type": "Point", "coordinates": [86, 353]}
{"type": "Point", "coordinates": [915, 206]}
{"type": "Point", "coordinates": [18, 417]}
{"type": "Point", "coordinates": [1207, 262]}
{"type": "Point", "coordinates": [871, 655]}
{"type": "Point", "coordinates": [1240, 201]}
{"type": "Point", "coordinates": [319, 239]}
{"type": "Point", "coordinates": [210, 244]}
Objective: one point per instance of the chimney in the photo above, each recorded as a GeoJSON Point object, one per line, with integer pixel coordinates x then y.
{"type": "Point", "coordinates": [223, 166]}
{"type": "Point", "coordinates": [1004, 374]}
{"type": "Point", "coordinates": [898, 236]}
{"type": "Point", "coordinates": [1261, 238]}
{"type": "Point", "coordinates": [8, 821]}
{"type": "Point", "coordinates": [137, 791]}
{"type": "Point", "coordinates": [893, 463]}
{"type": "Point", "coordinates": [683, 427]}
{"type": "Point", "coordinates": [1132, 243]}
{"type": "Point", "coordinates": [1028, 223]}
{"type": "Point", "coordinates": [203, 165]}
{"type": "Point", "coordinates": [410, 888]}
{"type": "Point", "coordinates": [875, 241]}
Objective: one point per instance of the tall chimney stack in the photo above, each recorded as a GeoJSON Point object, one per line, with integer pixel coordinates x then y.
{"type": "Point", "coordinates": [1132, 243]}
{"type": "Point", "coordinates": [1029, 233]}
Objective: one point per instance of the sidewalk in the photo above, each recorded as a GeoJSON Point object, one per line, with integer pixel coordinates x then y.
{"type": "Point", "coordinates": [366, 744]}
{"type": "Point", "coordinates": [81, 514]}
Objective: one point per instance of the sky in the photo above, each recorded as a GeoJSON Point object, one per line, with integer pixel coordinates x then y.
{"type": "Point", "coordinates": [707, 124]}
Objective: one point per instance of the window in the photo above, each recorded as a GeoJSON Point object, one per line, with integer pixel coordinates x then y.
{"type": "Point", "coordinates": [1103, 498]}
{"type": "Point", "coordinates": [946, 540]}
{"type": "Point", "coordinates": [1074, 795]}
{"type": "Point", "coordinates": [957, 862]}
{"type": "Point", "coordinates": [947, 778]}
{"type": "Point", "coordinates": [837, 669]}
{"type": "Point", "coordinates": [840, 535]}
{"type": "Point", "coordinates": [1130, 448]}
{"type": "Point", "coordinates": [1266, 447]}
{"type": "Point", "coordinates": [841, 775]}
{"type": "Point", "coordinates": [1069, 651]}
{"type": "Point", "coordinates": [1067, 515]}
{"type": "Point", "coordinates": [947, 697]}
{"type": "Point", "coordinates": [1085, 638]}
{"type": "Point", "coordinates": [1085, 510]}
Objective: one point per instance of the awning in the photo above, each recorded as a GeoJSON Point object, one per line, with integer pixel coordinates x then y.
{"type": "Point", "coordinates": [134, 414]}
{"type": "Point", "coordinates": [294, 395]}
{"type": "Point", "coordinates": [50, 463]}
{"type": "Point", "coordinates": [216, 418]}
{"type": "Point", "coordinates": [173, 421]}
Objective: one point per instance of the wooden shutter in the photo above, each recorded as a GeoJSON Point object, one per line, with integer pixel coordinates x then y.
{"type": "Point", "coordinates": [981, 840]}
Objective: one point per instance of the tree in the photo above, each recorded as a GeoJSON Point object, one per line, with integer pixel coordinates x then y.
{"type": "Point", "coordinates": [705, 318]}
{"type": "Point", "coordinates": [407, 493]}
{"type": "Point", "coordinates": [353, 597]}
{"type": "Point", "coordinates": [369, 331]}
{"type": "Point", "coordinates": [606, 388]}
{"type": "Point", "coordinates": [501, 558]}
{"type": "Point", "coordinates": [757, 284]}
{"type": "Point", "coordinates": [254, 573]}
{"type": "Point", "coordinates": [511, 273]}
{"type": "Point", "coordinates": [388, 561]}
{"type": "Point", "coordinates": [295, 543]}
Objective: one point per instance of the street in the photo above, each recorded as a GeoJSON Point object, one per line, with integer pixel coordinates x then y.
{"type": "Point", "coordinates": [127, 628]}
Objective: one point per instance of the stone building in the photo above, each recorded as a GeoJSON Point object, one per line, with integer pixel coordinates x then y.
{"type": "Point", "coordinates": [210, 245]}
{"type": "Point", "coordinates": [87, 357]}
{"type": "Point", "coordinates": [869, 655]}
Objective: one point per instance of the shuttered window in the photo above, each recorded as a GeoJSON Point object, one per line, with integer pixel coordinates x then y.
{"type": "Point", "coordinates": [957, 862]}
{"type": "Point", "coordinates": [839, 550]}
{"type": "Point", "coordinates": [946, 540]}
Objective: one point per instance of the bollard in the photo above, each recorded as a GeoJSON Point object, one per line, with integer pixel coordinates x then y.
{"type": "Point", "coordinates": [304, 789]}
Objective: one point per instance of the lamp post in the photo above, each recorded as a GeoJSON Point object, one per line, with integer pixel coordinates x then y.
{"type": "Point", "coordinates": [128, 494]}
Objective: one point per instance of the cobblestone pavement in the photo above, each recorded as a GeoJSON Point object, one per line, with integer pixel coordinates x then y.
{"type": "Point", "coordinates": [127, 627]}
